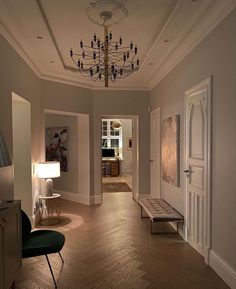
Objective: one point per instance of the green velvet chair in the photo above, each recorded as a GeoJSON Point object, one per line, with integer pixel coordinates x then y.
{"type": "Point", "coordinates": [40, 242]}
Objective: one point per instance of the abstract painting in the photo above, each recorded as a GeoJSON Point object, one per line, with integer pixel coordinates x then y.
{"type": "Point", "coordinates": [170, 150]}
{"type": "Point", "coordinates": [56, 142]}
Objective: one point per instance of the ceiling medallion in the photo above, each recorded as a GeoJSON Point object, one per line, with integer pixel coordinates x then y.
{"type": "Point", "coordinates": [106, 60]}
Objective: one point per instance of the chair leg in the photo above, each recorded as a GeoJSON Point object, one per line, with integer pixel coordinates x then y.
{"type": "Point", "coordinates": [61, 257]}
{"type": "Point", "coordinates": [51, 271]}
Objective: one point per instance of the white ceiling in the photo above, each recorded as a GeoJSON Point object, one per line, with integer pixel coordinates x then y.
{"type": "Point", "coordinates": [164, 30]}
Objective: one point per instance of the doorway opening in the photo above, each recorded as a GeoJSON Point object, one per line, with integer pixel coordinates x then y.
{"type": "Point", "coordinates": [21, 129]}
{"type": "Point", "coordinates": [118, 155]}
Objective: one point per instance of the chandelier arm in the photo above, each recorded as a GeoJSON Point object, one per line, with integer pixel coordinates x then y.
{"type": "Point", "coordinates": [120, 47]}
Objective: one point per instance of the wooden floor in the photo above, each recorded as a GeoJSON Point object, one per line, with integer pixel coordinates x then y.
{"type": "Point", "coordinates": [108, 246]}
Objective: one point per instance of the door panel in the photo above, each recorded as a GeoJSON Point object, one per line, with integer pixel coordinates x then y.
{"type": "Point", "coordinates": [196, 141]}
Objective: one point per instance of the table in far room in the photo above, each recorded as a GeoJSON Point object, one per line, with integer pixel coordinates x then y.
{"type": "Point", "coordinates": [51, 209]}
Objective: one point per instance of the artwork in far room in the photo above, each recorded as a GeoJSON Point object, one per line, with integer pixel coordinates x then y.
{"type": "Point", "coordinates": [170, 150]}
{"type": "Point", "coordinates": [56, 142]}
{"type": "Point", "coordinates": [129, 143]}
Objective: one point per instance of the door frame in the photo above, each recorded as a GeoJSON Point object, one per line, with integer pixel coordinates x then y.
{"type": "Point", "coordinates": [135, 152]}
{"type": "Point", "coordinates": [158, 110]}
{"type": "Point", "coordinates": [207, 83]}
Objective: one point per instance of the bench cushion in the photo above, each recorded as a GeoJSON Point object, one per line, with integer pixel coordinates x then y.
{"type": "Point", "coordinates": [159, 210]}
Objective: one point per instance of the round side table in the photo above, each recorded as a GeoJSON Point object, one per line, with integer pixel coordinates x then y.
{"type": "Point", "coordinates": [51, 209]}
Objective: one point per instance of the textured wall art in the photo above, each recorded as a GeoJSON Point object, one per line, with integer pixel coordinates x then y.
{"type": "Point", "coordinates": [170, 150]}
{"type": "Point", "coordinates": [56, 142]}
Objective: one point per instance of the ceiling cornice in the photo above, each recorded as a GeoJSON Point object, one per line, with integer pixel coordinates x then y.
{"type": "Point", "coordinates": [82, 85]}
{"type": "Point", "coordinates": [209, 20]}
{"type": "Point", "coordinates": [56, 78]}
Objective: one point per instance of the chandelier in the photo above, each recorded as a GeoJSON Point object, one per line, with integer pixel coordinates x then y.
{"type": "Point", "coordinates": [106, 60]}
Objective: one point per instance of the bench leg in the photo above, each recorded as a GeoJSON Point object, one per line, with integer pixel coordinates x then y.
{"type": "Point", "coordinates": [165, 232]}
{"type": "Point", "coordinates": [151, 227]}
{"type": "Point", "coordinates": [143, 217]}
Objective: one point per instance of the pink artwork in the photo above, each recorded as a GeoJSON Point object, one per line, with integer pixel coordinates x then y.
{"type": "Point", "coordinates": [170, 150]}
{"type": "Point", "coordinates": [56, 142]}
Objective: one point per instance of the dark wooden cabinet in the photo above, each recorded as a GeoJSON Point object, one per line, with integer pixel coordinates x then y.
{"type": "Point", "coordinates": [10, 243]}
{"type": "Point", "coordinates": [111, 167]}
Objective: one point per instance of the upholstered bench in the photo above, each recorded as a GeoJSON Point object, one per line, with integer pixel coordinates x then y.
{"type": "Point", "coordinates": [159, 210]}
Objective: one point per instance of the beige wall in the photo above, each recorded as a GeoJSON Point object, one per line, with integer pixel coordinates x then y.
{"type": "Point", "coordinates": [62, 97]}
{"type": "Point", "coordinates": [73, 99]}
{"type": "Point", "coordinates": [16, 76]}
{"type": "Point", "coordinates": [214, 56]}
{"type": "Point", "coordinates": [21, 114]}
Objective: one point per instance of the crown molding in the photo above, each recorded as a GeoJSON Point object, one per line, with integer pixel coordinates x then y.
{"type": "Point", "coordinates": [55, 78]}
{"type": "Point", "coordinates": [60, 79]}
{"type": "Point", "coordinates": [209, 20]}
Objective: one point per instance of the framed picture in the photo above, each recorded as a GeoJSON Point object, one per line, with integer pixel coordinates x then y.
{"type": "Point", "coordinates": [170, 150]}
{"type": "Point", "coordinates": [56, 145]}
{"type": "Point", "coordinates": [129, 144]}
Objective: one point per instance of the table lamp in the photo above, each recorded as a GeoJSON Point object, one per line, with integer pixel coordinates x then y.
{"type": "Point", "coordinates": [48, 170]}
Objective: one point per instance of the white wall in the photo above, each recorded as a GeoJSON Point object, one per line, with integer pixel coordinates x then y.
{"type": "Point", "coordinates": [127, 153]}
{"type": "Point", "coordinates": [21, 115]}
{"type": "Point", "coordinates": [17, 77]}
{"type": "Point", "coordinates": [214, 56]}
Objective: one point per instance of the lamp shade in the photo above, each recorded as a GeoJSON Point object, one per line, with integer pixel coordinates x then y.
{"type": "Point", "coordinates": [48, 170]}
{"type": "Point", "coordinates": [5, 159]}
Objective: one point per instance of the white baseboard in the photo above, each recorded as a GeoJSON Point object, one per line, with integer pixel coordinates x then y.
{"type": "Point", "coordinates": [227, 273]}
{"type": "Point", "coordinates": [81, 199]}
{"type": "Point", "coordinates": [96, 199]}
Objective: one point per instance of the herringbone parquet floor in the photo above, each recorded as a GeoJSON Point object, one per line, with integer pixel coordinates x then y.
{"type": "Point", "coordinates": [108, 246]}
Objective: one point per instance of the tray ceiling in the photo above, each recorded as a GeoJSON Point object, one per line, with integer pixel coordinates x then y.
{"type": "Point", "coordinates": [165, 31]}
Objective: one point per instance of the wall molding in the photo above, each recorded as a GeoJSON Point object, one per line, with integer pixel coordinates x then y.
{"type": "Point", "coordinates": [223, 269]}
{"type": "Point", "coordinates": [216, 13]}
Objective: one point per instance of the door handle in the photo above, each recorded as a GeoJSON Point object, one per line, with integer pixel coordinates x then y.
{"type": "Point", "coordinates": [151, 161]}
{"type": "Point", "coordinates": [186, 171]}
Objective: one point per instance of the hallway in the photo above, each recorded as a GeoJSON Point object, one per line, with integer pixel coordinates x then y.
{"type": "Point", "coordinates": [109, 246]}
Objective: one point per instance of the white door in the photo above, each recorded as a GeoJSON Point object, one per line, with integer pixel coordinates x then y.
{"type": "Point", "coordinates": [197, 166]}
{"type": "Point", "coordinates": [155, 153]}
